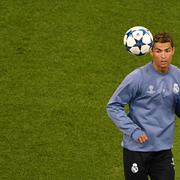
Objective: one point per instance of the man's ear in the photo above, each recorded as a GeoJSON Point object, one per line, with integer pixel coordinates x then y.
{"type": "Point", "coordinates": [151, 51]}
{"type": "Point", "coordinates": [173, 50]}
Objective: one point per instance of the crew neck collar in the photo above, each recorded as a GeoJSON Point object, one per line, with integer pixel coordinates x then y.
{"type": "Point", "coordinates": [160, 73]}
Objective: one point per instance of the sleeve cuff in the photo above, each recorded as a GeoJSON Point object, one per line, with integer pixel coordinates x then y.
{"type": "Point", "coordinates": [136, 134]}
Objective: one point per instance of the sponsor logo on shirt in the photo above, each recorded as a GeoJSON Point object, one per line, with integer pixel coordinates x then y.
{"type": "Point", "coordinates": [151, 89]}
{"type": "Point", "coordinates": [175, 88]}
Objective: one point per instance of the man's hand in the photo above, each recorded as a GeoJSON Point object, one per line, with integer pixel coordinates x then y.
{"type": "Point", "coordinates": [143, 138]}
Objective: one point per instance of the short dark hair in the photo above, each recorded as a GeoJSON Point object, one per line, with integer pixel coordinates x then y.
{"type": "Point", "coordinates": [163, 37]}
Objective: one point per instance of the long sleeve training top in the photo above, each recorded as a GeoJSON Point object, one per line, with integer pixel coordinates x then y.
{"type": "Point", "coordinates": [153, 99]}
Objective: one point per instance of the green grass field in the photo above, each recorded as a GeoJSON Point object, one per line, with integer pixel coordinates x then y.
{"type": "Point", "coordinates": [60, 61]}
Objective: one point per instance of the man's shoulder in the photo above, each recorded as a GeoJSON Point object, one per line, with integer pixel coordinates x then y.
{"type": "Point", "coordinates": [139, 70]}
{"type": "Point", "coordinates": [174, 68]}
{"type": "Point", "coordinates": [175, 71]}
{"type": "Point", "coordinates": [134, 76]}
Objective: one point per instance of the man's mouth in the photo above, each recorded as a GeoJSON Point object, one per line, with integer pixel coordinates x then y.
{"type": "Point", "coordinates": [163, 62]}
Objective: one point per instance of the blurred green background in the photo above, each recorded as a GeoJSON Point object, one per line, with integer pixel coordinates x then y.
{"type": "Point", "coordinates": [60, 62]}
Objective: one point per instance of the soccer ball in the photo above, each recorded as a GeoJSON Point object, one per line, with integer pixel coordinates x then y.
{"type": "Point", "coordinates": [138, 40]}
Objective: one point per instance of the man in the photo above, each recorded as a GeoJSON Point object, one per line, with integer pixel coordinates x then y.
{"type": "Point", "coordinates": [153, 95]}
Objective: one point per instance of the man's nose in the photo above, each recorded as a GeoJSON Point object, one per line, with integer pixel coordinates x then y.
{"type": "Point", "coordinates": [163, 54]}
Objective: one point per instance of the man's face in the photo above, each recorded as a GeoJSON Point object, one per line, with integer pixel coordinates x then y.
{"type": "Point", "coordinates": [162, 55]}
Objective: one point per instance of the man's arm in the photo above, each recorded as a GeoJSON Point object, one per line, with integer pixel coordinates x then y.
{"type": "Point", "coordinates": [115, 109]}
{"type": "Point", "coordinates": [177, 106]}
